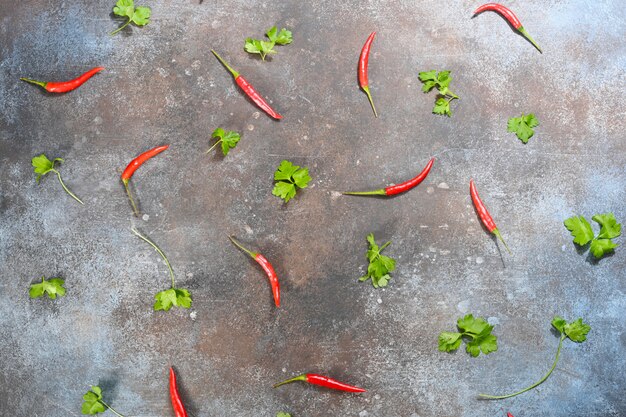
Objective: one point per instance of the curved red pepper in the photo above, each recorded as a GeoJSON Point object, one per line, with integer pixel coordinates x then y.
{"type": "Point", "coordinates": [267, 267]}
{"type": "Point", "coordinates": [399, 188]}
{"type": "Point", "coordinates": [65, 86]}
{"type": "Point", "coordinates": [363, 65]}
{"type": "Point", "coordinates": [177, 403]}
{"type": "Point", "coordinates": [249, 90]}
{"type": "Point", "coordinates": [510, 17]}
{"type": "Point", "coordinates": [134, 165]}
{"type": "Point", "coordinates": [484, 215]}
{"type": "Point", "coordinates": [322, 381]}
{"type": "Point", "coordinates": [509, 415]}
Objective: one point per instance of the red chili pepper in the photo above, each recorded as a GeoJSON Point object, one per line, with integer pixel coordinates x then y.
{"type": "Point", "coordinates": [400, 188]}
{"type": "Point", "coordinates": [322, 381]}
{"type": "Point", "coordinates": [484, 215]}
{"type": "Point", "coordinates": [249, 90]}
{"type": "Point", "coordinates": [510, 17]}
{"type": "Point", "coordinates": [509, 415]}
{"type": "Point", "coordinates": [363, 65]}
{"type": "Point", "coordinates": [267, 267]}
{"type": "Point", "coordinates": [132, 167]}
{"type": "Point", "coordinates": [65, 86]}
{"type": "Point", "coordinates": [177, 403]}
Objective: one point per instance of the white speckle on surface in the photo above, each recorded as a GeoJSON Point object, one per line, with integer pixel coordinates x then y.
{"type": "Point", "coordinates": [335, 195]}
{"type": "Point", "coordinates": [248, 229]}
{"type": "Point", "coordinates": [379, 301]}
{"type": "Point", "coordinates": [284, 370]}
{"type": "Point", "coordinates": [256, 114]}
{"type": "Point", "coordinates": [163, 72]}
{"type": "Point", "coordinates": [443, 186]}
{"type": "Point", "coordinates": [463, 306]}
{"type": "Point", "coordinates": [189, 274]}
{"type": "Point", "coordinates": [479, 260]}
{"type": "Point", "coordinates": [145, 217]}
{"type": "Point", "coordinates": [377, 397]}
{"type": "Point", "coordinates": [187, 71]}
{"type": "Point", "coordinates": [363, 413]}
{"type": "Point", "coordinates": [493, 320]}
{"type": "Point", "coordinates": [193, 315]}
{"type": "Point", "coordinates": [250, 127]}
{"type": "Point", "coordinates": [97, 120]}
{"type": "Point", "coordinates": [430, 190]}
{"type": "Point", "coordinates": [432, 249]}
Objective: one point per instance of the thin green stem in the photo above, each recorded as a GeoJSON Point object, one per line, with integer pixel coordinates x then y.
{"type": "Point", "coordinates": [214, 145]}
{"type": "Point", "coordinates": [527, 36]}
{"type": "Point", "coordinates": [294, 379]}
{"type": "Point", "coordinates": [232, 71]}
{"type": "Point", "coordinates": [240, 246]}
{"type": "Point", "coordinates": [375, 192]}
{"type": "Point", "coordinates": [130, 197]}
{"type": "Point", "coordinates": [369, 97]}
{"type": "Point", "coordinates": [65, 188]}
{"type": "Point", "coordinates": [111, 408]}
{"type": "Point", "coordinates": [556, 359]}
{"type": "Point", "coordinates": [151, 243]}
{"type": "Point", "coordinates": [497, 233]}
{"type": "Point", "coordinates": [39, 83]}
{"type": "Point", "coordinates": [120, 28]}
{"type": "Point", "coordinates": [383, 247]}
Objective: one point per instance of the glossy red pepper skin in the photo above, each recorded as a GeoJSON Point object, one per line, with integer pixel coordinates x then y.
{"type": "Point", "coordinates": [322, 381]}
{"type": "Point", "coordinates": [484, 215]}
{"type": "Point", "coordinates": [138, 161]}
{"type": "Point", "coordinates": [177, 403]}
{"type": "Point", "coordinates": [249, 90]}
{"type": "Point", "coordinates": [133, 166]}
{"type": "Point", "coordinates": [509, 415]}
{"type": "Point", "coordinates": [510, 17]}
{"type": "Point", "coordinates": [363, 66]}
{"type": "Point", "coordinates": [399, 188]}
{"type": "Point", "coordinates": [65, 86]}
{"type": "Point", "coordinates": [267, 267]}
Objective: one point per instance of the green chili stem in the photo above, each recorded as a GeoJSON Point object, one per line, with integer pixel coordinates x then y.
{"type": "Point", "coordinates": [556, 359]}
{"type": "Point", "coordinates": [369, 97]}
{"type": "Point", "coordinates": [65, 188]}
{"type": "Point", "coordinates": [497, 233]}
{"type": "Point", "coordinates": [151, 243]}
{"type": "Point", "coordinates": [232, 71]}
{"type": "Point", "coordinates": [375, 192]}
{"type": "Point", "coordinates": [39, 83]}
{"type": "Point", "coordinates": [527, 36]}
{"type": "Point", "coordinates": [130, 196]}
{"type": "Point", "coordinates": [240, 246]}
{"type": "Point", "coordinates": [294, 379]}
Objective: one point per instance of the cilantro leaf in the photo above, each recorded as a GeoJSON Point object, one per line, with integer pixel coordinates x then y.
{"type": "Point", "coordinates": [475, 329]}
{"type": "Point", "coordinates": [577, 330]}
{"type": "Point", "coordinates": [522, 126]}
{"type": "Point", "coordinates": [52, 287]}
{"type": "Point", "coordinates": [228, 140]}
{"type": "Point", "coordinates": [290, 177]}
{"type": "Point", "coordinates": [379, 265]}
{"type": "Point", "coordinates": [442, 106]}
{"type": "Point", "coordinates": [173, 297]}
{"type": "Point", "coordinates": [610, 227]}
{"type": "Point", "coordinates": [140, 15]}
{"type": "Point", "coordinates": [559, 323]}
{"type": "Point", "coordinates": [580, 228]}
{"type": "Point", "coordinates": [600, 247]}
{"type": "Point", "coordinates": [92, 401]}
{"type": "Point", "coordinates": [283, 414]}
{"type": "Point", "coordinates": [263, 48]}
{"type": "Point", "coordinates": [442, 81]}
{"type": "Point", "coordinates": [43, 165]}
{"type": "Point", "coordinates": [283, 37]}
{"type": "Point", "coordinates": [449, 341]}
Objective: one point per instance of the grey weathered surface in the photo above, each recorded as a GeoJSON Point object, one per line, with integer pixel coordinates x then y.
{"type": "Point", "coordinates": [163, 86]}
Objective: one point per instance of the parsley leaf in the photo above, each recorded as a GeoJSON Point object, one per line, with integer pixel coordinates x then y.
{"type": "Point", "coordinates": [441, 80]}
{"type": "Point", "coordinates": [283, 37]}
{"type": "Point", "coordinates": [92, 401]}
{"type": "Point", "coordinates": [379, 265]}
{"type": "Point", "coordinates": [580, 228]}
{"type": "Point", "coordinates": [476, 329]}
{"type": "Point", "coordinates": [264, 48]}
{"type": "Point", "coordinates": [290, 177]}
{"type": "Point", "coordinates": [140, 15]}
{"type": "Point", "coordinates": [583, 233]}
{"type": "Point", "coordinates": [228, 139]}
{"type": "Point", "coordinates": [600, 247]}
{"type": "Point", "coordinates": [43, 165]}
{"type": "Point", "coordinates": [172, 297]}
{"type": "Point", "coordinates": [52, 287]}
{"type": "Point", "coordinates": [576, 331]}
{"type": "Point", "coordinates": [610, 227]}
{"type": "Point", "coordinates": [523, 126]}
{"type": "Point", "coordinates": [283, 414]}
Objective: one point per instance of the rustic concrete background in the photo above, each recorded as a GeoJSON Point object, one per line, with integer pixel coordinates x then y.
{"type": "Point", "coordinates": [163, 86]}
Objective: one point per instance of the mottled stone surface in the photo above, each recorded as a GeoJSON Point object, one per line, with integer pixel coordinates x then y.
{"type": "Point", "coordinates": [162, 85]}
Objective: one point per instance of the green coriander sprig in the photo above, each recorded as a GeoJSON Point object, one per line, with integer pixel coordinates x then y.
{"type": "Point", "coordinates": [43, 165]}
